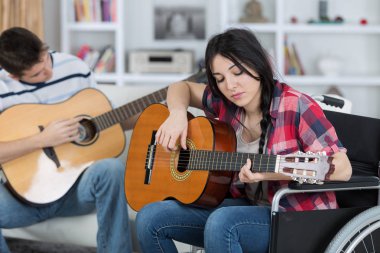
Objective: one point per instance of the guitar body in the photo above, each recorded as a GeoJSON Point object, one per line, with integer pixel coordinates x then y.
{"type": "Point", "coordinates": [34, 177]}
{"type": "Point", "coordinates": [170, 180]}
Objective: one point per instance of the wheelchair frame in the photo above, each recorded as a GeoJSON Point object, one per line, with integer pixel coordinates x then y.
{"type": "Point", "coordinates": [337, 230]}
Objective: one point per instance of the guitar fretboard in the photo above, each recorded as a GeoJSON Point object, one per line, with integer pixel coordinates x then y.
{"type": "Point", "coordinates": [227, 161]}
{"type": "Point", "coordinates": [124, 112]}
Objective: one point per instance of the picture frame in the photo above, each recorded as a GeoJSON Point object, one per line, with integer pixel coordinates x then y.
{"type": "Point", "coordinates": [179, 23]}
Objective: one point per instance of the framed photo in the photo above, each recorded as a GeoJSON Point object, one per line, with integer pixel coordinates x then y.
{"type": "Point", "coordinates": [179, 23]}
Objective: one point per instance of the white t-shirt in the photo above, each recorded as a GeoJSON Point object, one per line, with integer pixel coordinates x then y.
{"type": "Point", "coordinates": [70, 75]}
{"type": "Point", "coordinates": [253, 148]}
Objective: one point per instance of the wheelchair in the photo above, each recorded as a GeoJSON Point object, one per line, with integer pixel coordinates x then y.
{"type": "Point", "coordinates": [355, 226]}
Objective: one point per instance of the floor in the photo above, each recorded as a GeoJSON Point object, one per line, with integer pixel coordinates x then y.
{"type": "Point", "coordinates": [26, 246]}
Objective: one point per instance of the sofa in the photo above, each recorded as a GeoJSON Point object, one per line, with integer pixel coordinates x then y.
{"type": "Point", "coordinates": [81, 230]}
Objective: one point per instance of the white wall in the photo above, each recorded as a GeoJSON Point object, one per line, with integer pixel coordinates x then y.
{"type": "Point", "coordinates": [52, 24]}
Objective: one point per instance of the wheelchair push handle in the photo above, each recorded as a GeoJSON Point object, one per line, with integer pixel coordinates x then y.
{"type": "Point", "coordinates": [328, 100]}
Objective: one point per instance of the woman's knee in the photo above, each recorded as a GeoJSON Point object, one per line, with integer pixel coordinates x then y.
{"type": "Point", "coordinates": [152, 217]}
{"type": "Point", "coordinates": [148, 215]}
{"type": "Point", "coordinates": [146, 220]}
{"type": "Point", "coordinates": [217, 220]}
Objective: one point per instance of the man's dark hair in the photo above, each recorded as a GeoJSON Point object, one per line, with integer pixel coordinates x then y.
{"type": "Point", "coordinates": [20, 49]}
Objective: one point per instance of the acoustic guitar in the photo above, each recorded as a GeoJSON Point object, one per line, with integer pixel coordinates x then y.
{"type": "Point", "coordinates": [200, 175]}
{"type": "Point", "coordinates": [45, 175]}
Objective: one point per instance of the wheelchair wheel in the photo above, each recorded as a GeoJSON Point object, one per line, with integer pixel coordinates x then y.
{"type": "Point", "coordinates": [360, 234]}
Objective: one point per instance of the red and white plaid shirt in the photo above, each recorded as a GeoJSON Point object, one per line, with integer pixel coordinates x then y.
{"type": "Point", "coordinates": [298, 125]}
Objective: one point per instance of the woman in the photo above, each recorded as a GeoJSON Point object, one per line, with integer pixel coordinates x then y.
{"type": "Point", "coordinates": [268, 117]}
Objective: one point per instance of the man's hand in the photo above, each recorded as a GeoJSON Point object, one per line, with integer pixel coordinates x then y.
{"type": "Point", "coordinates": [59, 132]}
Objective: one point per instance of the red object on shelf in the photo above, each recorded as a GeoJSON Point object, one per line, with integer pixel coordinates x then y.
{"type": "Point", "coordinates": [293, 20]}
{"type": "Point", "coordinates": [363, 21]}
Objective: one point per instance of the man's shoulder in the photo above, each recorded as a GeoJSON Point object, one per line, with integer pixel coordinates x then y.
{"type": "Point", "coordinates": [60, 56]}
{"type": "Point", "coordinates": [6, 82]}
{"type": "Point", "coordinates": [64, 60]}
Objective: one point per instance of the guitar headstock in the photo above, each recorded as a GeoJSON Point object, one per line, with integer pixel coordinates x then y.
{"type": "Point", "coordinates": [307, 167]}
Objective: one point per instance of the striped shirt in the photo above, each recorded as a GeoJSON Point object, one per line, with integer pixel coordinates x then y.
{"type": "Point", "coordinates": [70, 75]}
{"type": "Point", "coordinates": [298, 124]}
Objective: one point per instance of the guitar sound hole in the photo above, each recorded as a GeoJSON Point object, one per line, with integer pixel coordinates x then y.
{"type": "Point", "coordinates": [87, 132]}
{"type": "Point", "coordinates": [183, 160]}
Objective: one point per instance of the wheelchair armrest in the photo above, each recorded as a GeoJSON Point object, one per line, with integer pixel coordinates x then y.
{"type": "Point", "coordinates": [354, 182]}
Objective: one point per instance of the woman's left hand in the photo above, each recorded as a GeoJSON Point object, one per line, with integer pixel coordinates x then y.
{"type": "Point", "coordinates": [247, 176]}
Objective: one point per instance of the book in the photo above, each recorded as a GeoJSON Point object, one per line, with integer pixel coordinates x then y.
{"type": "Point", "coordinates": [106, 13]}
{"type": "Point", "coordinates": [300, 68]}
{"type": "Point", "coordinates": [105, 57]}
{"type": "Point", "coordinates": [287, 65]}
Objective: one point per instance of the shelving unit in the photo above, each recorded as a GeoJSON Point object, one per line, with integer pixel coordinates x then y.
{"type": "Point", "coordinates": [357, 47]}
{"type": "Point", "coordinates": [87, 32]}
{"type": "Point", "coordinates": [99, 34]}
{"type": "Point", "coordinates": [279, 27]}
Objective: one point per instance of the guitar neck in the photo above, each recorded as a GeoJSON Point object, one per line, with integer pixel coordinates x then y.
{"type": "Point", "coordinates": [228, 161]}
{"type": "Point", "coordinates": [126, 111]}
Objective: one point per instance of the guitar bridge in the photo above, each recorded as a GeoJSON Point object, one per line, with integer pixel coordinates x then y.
{"type": "Point", "coordinates": [50, 152]}
{"type": "Point", "coordinates": [150, 159]}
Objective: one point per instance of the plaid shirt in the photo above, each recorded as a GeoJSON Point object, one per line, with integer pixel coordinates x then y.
{"type": "Point", "coordinates": [298, 124]}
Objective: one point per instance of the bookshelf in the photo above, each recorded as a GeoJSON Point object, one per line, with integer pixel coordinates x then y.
{"type": "Point", "coordinates": [88, 31]}
{"type": "Point", "coordinates": [118, 34]}
{"type": "Point", "coordinates": [356, 47]}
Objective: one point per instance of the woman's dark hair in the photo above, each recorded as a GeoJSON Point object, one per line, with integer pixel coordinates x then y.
{"type": "Point", "coordinates": [242, 47]}
{"type": "Point", "coordinates": [20, 49]}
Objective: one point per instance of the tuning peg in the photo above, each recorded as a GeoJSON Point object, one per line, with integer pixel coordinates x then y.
{"type": "Point", "coordinates": [319, 182]}
{"type": "Point", "coordinates": [310, 181]}
{"type": "Point", "coordinates": [297, 179]}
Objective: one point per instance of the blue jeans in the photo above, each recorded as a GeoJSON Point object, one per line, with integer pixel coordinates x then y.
{"type": "Point", "coordinates": [234, 226]}
{"type": "Point", "coordinates": [100, 187]}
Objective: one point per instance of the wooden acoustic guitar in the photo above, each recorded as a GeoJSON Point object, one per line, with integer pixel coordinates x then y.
{"type": "Point", "coordinates": [200, 175]}
{"type": "Point", "coordinates": [45, 175]}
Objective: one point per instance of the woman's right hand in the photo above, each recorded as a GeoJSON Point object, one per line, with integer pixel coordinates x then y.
{"type": "Point", "coordinates": [59, 132]}
{"type": "Point", "coordinates": [174, 127]}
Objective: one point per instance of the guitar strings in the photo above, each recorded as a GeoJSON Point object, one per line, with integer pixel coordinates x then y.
{"type": "Point", "coordinates": [163, 156]}
{"type": "Point", "coordinates": [185, 162]}
{"type": "Point", "coordinates": [232, 158]}
{"type": "Point", "coordinates": [167, 157]}
{"type": "Point", "coordinates": [199, 163]}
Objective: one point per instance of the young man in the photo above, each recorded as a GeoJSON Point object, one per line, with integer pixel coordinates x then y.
{"type": "Point", "coordinates": [32, 74]}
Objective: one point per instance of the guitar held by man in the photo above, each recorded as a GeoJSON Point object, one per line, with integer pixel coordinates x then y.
{"type": "Point", "coordinates": [45, 175]}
